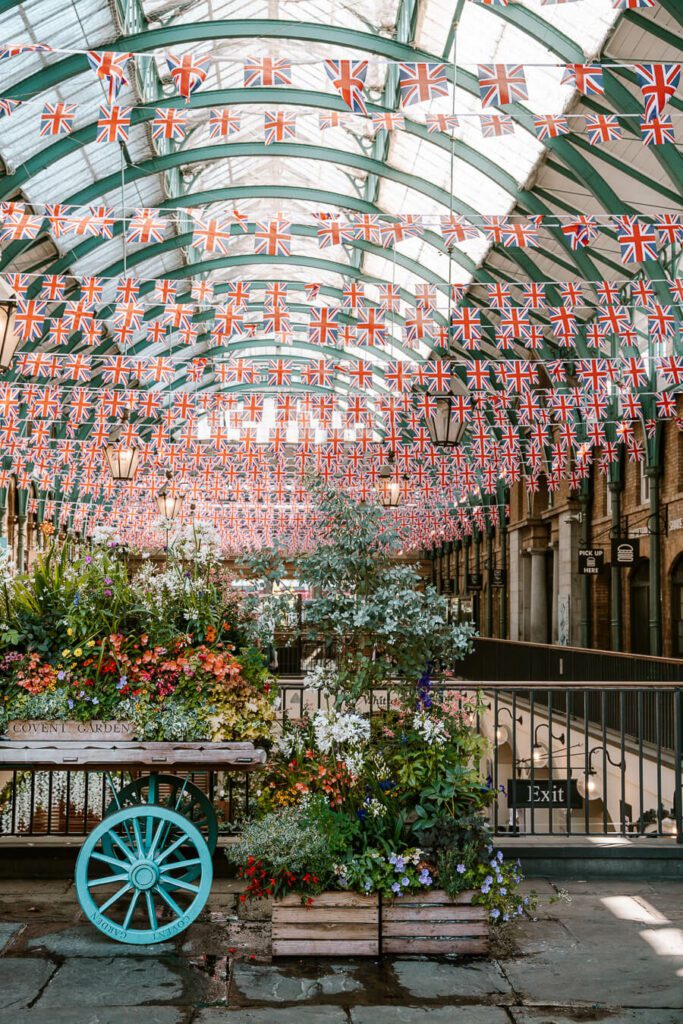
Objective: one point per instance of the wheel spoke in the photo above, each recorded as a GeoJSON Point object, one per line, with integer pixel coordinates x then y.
{"type": "Point", "coordinates": [153, 790]}
{"type": "Point", "coordinates": [177, 864]}
{"type": "Point", "coordinates": [119, 842]}
{"type": "Point", "coordinates": [168, 899]}
{"type": "Point", "coordinates": [114, 861]}
{"type": "Point", "coordinates": [178, 883]}
{"type": "Point", "coordinates": [151, 911]}
{"type": "Point", "coordinates": [117, 896]}
{"type": "Point", "coordinates": [155, 839]}
{"type": "Point", "coordinates": [138, 836]}
{"type": "Point", "coordinates": [107, 881]}
{"type": "Point", "coordinates": [131, 908]}
{"type": "Point", "coordinates": [171, 849]}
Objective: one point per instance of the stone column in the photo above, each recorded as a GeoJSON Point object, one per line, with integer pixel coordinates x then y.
{"type": "Point", "coordinates": [538, 616]}
{"type": "Point", "coordinates": [21, 541]}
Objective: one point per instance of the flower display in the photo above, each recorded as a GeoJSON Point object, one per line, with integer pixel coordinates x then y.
{"type": "Point", "coordinates": [169, 649]}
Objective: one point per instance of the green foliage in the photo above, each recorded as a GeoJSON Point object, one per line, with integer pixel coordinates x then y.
{"type": "Point", "coordinates": [381, 624]}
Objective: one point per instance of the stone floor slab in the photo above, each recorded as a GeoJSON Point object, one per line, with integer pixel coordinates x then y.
{"type": "Point", "coordinates": [428, 979]}
{"type": "Point", "coordinates": [297, 983]}
{"type": "Point", "coordinates": [21, 980]}
{"type": "Point", "coordinates": [524, 1015]}
{"type": "Point", "coordinates": [270, 1015]}
{"type": "Point", "coordinates": [111, 981]}
{"type": "Point", "coordinates": [84, 940]}
{"type": "Point", "coordinates": [96, 1015]}
{"type": "Point", "coordinates": [429, 1015]}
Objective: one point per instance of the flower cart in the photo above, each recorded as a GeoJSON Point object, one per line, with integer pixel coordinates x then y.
{"type": "Point", "coordinates": [144, 873]}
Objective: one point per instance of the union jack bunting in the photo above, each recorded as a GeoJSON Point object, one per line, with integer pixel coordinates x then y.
{"type": "Point", "coordinates": [669, 228]}
{"type": "Point", "coordinates": [550, 126]}
{"type": "Point", "coordinates": [333, 231]}
{"type": "Point", "coordinates": [273, 238]}
{"type": "Point", "coordinates": [16, 49]}
{"type": "Point", "coordinates": [603, 128]}
{"type": "Point", "coordinates": [211, 235]}
{"type": "Point", "coordinates": [19, 225]}
{"type": "Point", "coordinates": [454, 230]}
{"type": "Point", "coordinates": [57, 118]}
{"type": "Point", "coordinates": [188, 72]}
{"type": "Point", "coordinates": [495, 125]}
{"type": "Point", "coordinates": [348, 78]}
{"type": "Point", "coordinates": [523, 235]}
{"type": "Point", "coordinates": [420, 83]}
{"type": "Point", "coordinates": [586, 78]}
{"type": "Point", "coordinates": [389, 122]}
{"type": "Point", "coordinates": [441, 123]}
{"type": "Point", "coordinates": [657, 131]}
{"type": "Point", "coordinates": [109, 68]}
{"type": "Point", "coordinates": [331, 119]}
{"type": "Point", "coordinates": [580, 232]}
{"type": "Point", "coordinates": [658, 83]}
{"type": "Point", "coordinates": [7, 107]}
{"type": "Point", "coordinates": [267, 71]}
{"type": "Point", "coordinates": [278, 126]}
{"type": "Point", "coordinates": [113, 124]}
{"type": "Point", "coordinates": [406, 225]}
{"type": "Point", "coordinates": [224, 122]}
{"type": "Point", "coordinates": [323, 325]}
{"type": "Point", "coordinates": [169, 124]}
{"type": "Point", "coordinates": [638, 241]}
{"type": "Point", "coordinates": [500, 84]}
{"type": "Point", "coordinates": [146, 226]}
{"type": "Point", "coordinates": [633, 5]}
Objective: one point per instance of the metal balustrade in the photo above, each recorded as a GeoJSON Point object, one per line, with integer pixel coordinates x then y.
{"type": "Point", "coordinates": [583, 759]}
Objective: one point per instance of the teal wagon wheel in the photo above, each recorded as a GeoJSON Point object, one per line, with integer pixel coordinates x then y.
{"type": "Point", "coordinates": [176, 794]}
{"type": "Point", "coordinates": [136, 893]}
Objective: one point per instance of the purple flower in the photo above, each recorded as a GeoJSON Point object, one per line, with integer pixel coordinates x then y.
{"type": "Point", "coordinates": [71, 704]}
{"type": "Point", "coordinates": [425, 878]}
{"type": "Point", "coordinates": [107, 592]}
{"type": "Point", "coordinates": [61, 675]}
{"type": "Point", "coordinates": [405, 880]}
{"type": "Point", "coordinates": [396, 887]}
{"type": "Point", "coordinates": [88, 559]}
{"type": "Point", "coordinates": [461, 869]}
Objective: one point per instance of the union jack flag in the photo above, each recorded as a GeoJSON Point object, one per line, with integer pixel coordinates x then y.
{"type": "Point", "coordinates": [638, 241]}
{"type": "Point", "coordinates": [656, 131]}
{"type": "Point", "coordinates": [109, 68]}
{"type": "Point", "coordinates": [602, 128]}
{"type": "Point", "coordinates": [278, 126]}
{"type": "Point", "coordinates": [146, 226]}
{"type": "Point", "coordinates": [331, 119]}
{"type": "Point", "coordinates": [388, 122]}
{"type": "Point", "coordinates": [8, 106]}
{"type": "Point", "coordinates": [658, 83]}
{"type": "Point", "coordinates": [267, 71]}
{"type": "Point", "coordinates": [169, 124]}
{"type": "Point", "coordinates": [212, 235]}
{"type": "Point", "coordinates": [580, 232]}
{"type": "Point", "coordinates": [348, 78]}
{"type": "Point", "coordinates": [550, 126]}
{"type": "Point", "coordinates": [500, 84]}
{"type": "Point", "coordinates": [333, 231]}
{"type": "Point", "coordinates": [632, 5]}
{"type": "Point", "coordinates": [323, 325]}
{"type": "Point", "coordinates": [113, 124]}
{"type": "Point", "coordinates": [16, 49]}
{"type": "Point", "coordinates": [273, 238]}
{"type": "Point", "coordinates": [669, 228]}
{"type": "Point", "coordinates": [188, 72]}
{"type": "Point", "coordinates": [495, 125]}
{"type": "Point", "coordinates": [224, 122]}
{"type": "Point", "coordinates": [441, 123]}
{"type": "Point", "coordinates": [587, 78]}
{"type": "Point", "coordinates": [57, 118]}
{"type": "Point", "coordinates": [421, 82]}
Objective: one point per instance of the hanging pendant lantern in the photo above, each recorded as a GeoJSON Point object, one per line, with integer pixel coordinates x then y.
{"type": "Point", "coordinates": [169, 505]}
{"type": "Point", "coordinates": [122, 457]}
{"type": "Point", "coordinates": [388, 487]}
{"type": "Point", "coordinates": [446, 428]}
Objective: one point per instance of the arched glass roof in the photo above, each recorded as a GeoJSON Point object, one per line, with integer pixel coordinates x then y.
{"type": "Point", "coordinates": [450, 157]}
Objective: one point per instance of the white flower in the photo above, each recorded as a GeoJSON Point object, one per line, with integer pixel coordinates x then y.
{"type": "Point", "coordinates": [336, 729]}
{"type": "Point", "coordinates": [430, 729]}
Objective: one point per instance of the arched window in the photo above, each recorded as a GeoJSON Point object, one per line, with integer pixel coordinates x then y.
{"type": "Point", "coordinates": [677, 608]}
{"type": "Point", "coordinates": [640, 608]}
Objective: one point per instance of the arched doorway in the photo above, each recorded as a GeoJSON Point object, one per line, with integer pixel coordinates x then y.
{"type": "Point", "coordinates": [677, 608]}
{"type": "Point", "coordinates": [640, 608]}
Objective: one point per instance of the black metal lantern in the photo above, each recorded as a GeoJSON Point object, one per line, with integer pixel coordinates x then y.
{"type": "Point", "coordinates": [122, 457]}
{"type": "Point", "coordinates": [446, 429]}
{"type": "Point", "coordinates": [9, 339]}
{"type": "Point", "coordinates": [388, 487]}
{"type": "Point", "coordinates": [169, 505]}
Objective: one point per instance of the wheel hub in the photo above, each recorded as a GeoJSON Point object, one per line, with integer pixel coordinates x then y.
{"type": "Point", "coordinates": [144, 875]}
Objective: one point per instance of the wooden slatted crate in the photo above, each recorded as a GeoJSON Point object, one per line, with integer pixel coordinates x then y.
{"type": "Point", "coordinates": [336, 924]}
{"type": "Point", "coordinates": [433, 923]}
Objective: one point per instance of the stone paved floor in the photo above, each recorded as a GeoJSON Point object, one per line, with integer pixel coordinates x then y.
{"type": "Point", "coordinates": [614, 953]}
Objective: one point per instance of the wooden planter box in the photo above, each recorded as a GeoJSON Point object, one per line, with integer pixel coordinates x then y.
{"type": "Point", "coordinates": [346, 924]}
{"type": "Point", "coordinates": [47, 729]}
{"type": "Point", "coordinates": [433, 923]}
{"type": "Point", "coordinates": [335, 924]}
